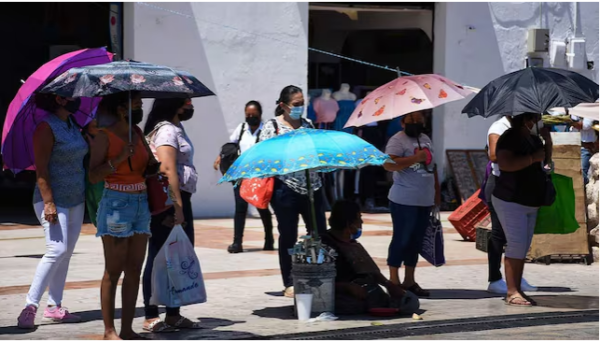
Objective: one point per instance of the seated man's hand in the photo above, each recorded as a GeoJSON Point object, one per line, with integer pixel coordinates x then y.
{"type": "Point", "coordinates": [395, 291]}
{"type": "Point", "coordinates": [357, 291]}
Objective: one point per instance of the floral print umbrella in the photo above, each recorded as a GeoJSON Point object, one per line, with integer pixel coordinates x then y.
{"type": "Point", "coordinates": [154, 81]}
{"type": "Point", "coordinates": [405, 95]}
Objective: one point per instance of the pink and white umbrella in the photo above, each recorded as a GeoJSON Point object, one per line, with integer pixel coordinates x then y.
{"type": "Point", "coordinates": [406, 95]}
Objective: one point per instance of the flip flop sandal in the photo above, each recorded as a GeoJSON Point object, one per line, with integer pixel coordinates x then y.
{"type": "Point", "coordinates": [418, 291]}
{"type": "Point", "coordinates": [521, 299]}
{"type": "Point", "coordinates": [189, 325]}
{"type": "Point", "coordinates": [159, 326]}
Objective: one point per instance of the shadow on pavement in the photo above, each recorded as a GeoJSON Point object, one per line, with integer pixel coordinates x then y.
{"type": "Point", "coordinates": [287, 313]}
{"type": "Point", "coordinates": [567, 302]}
{"type": "Point", "coordinates": [14, 330]}
{"type": "Point", "coordinates": [554, 289]}
{"type": "Point", "coordinates": [460, 294]}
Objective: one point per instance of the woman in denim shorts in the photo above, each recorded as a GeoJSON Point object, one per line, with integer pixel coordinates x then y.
{"type": "Point", "coordinates": [123, 219]}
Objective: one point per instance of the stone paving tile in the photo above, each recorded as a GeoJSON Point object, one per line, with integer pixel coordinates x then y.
{"type": "Point", "coordinates": [574, 331]}
{"type": "Point", "coordinates": [241, 286]}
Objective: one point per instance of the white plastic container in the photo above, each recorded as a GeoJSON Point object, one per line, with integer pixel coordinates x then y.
{"type": "Point", "coordinates": [304, 306]}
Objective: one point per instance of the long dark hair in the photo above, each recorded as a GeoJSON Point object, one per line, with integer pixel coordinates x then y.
{"type": "Point", "coordinates": [520, 120]}
{"type": "Point", "coordinates": [163, 110]}
{"type": "Point", "coordinates": [46, 102]}
{"type": "Point", "coordinates": [343, 214]}
{"type": "Point", "coordinates": [110, 103]}
{"type": "Point", "coordinates": [286, 97]}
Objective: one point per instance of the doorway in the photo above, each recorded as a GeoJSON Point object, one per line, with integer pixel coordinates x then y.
{"type": "Point", "coordinates": [394, 35]}
{"type": "Point", "coordinates": [41, 32]}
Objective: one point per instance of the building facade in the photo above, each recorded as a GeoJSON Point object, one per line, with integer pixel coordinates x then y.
{"type": "Point", "coordinates": [250, 51]}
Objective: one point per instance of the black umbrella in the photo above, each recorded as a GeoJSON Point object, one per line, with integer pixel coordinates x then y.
{"type": "Point", "coordinates": [532, 90]}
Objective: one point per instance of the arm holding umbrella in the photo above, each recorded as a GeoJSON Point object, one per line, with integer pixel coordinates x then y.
{"type": "Point", "coordinates": [402, 163]}
{"type": "Point", "coordinates": [43, 141]}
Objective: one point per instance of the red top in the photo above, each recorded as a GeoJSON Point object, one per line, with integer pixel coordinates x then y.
{"type": "Point", "coordinates": [124, 174]}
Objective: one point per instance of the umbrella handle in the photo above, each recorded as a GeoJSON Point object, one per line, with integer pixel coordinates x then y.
{"type": "Point", "coordinates": [130, 129]}
{"type": "Point", "coordinates": [311, 207]}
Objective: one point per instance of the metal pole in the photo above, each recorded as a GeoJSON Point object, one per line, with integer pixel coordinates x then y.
{"type": "Point", "coordinates": [313, 214]}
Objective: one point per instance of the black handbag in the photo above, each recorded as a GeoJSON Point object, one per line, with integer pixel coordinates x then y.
{"type": "Point", "coordinates": [231, 151]}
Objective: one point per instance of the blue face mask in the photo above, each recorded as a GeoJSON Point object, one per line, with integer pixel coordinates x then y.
{"type": "Point", "coordinates": [296, 112]}
{"type": "Point", "coordinates": [356, 235]}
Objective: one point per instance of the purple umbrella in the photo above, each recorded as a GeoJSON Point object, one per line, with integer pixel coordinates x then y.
{"type": "Point", "coordinates": [23, 116]}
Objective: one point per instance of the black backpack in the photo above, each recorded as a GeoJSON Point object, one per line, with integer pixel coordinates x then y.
{"type": "Point", "coordinates": [231, 151]}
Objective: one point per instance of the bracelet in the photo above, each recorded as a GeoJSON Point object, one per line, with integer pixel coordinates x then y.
{"type": "Point", "coordinates": [112, 168]}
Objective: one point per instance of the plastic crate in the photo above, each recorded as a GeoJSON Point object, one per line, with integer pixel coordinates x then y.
{"type": "Point", "coordinates": [468, 216]}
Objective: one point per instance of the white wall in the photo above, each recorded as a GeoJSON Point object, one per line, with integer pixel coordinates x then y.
{"type": "Point", "coordinates": [475, 43]}
{"type": "Point", "coordinates": [251, 63]}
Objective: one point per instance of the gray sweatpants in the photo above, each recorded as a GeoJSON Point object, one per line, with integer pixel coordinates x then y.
{"type": "Point", "coordinates": [518, 223]}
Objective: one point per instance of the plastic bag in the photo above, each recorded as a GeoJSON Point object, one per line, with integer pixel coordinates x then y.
{"type": "Point", "coordinates": [558, 218]}
{"type": "Point", "coordinates": [176, 276]}
{"type": "Point", "coordinates": [432, 248]}
{"type": "Point", "coordinates": [257, 191]}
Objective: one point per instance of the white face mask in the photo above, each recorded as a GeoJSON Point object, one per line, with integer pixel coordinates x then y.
{"type": "Point", "coordinates": [535, 129]}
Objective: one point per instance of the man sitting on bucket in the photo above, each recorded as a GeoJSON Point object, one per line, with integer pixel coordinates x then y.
{"type": "Point", "coordinates": [359, 281]}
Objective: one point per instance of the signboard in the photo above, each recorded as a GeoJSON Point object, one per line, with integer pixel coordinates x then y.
{"type": "Point", "coordinates": [116, 29]}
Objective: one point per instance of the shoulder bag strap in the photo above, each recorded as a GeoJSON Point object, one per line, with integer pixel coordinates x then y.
{"type": "Point", "coordinates": [258, 136]}
{"type": "Point", "coordinates": [241, 134]}
{"type": "Point", "coordinates": [151, 159]}
{"type": "Point", "coordinates": [275, 125]}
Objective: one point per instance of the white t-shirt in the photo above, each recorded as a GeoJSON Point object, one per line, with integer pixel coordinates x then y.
{"type": "Point", "coordinates": [587, 132]}
{"type": "Point", "coordinates": [248, 138]}
{"type": "Point", "coordinates": [498, 127]}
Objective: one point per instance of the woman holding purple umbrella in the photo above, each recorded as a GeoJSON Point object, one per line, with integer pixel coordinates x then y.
{"type": "Point", "coordinates": [59, 203]}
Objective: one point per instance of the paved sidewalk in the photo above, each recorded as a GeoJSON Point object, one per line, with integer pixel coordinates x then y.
{"type": "Point", "coordinates": [244, 290]}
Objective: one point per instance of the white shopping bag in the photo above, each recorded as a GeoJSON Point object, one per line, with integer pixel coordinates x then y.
{"type": "Point", "coordinates": [176, 276]}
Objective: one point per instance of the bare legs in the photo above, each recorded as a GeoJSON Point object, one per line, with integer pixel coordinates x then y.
{"type": "Point", "coordinates": [409, 276]}
{"type": "Point", "coordinates": [121, 255]}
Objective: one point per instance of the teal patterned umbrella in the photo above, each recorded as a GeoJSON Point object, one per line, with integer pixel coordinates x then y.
{"type": "Point", "coordinates": [303, 150]}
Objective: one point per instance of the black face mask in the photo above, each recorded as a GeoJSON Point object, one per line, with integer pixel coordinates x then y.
{"type": "Point", "coordinates": [186, 115]}
{"type": "Point", "coordinates": [413, 130]}
{"type": "Point", "coordinates": [137, 116]}
{"type": "Point", "coordinates": [73, 106]}
{"type": "Point", "coordinates": [253, 121]}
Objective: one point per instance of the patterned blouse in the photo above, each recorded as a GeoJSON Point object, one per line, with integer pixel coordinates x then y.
{"type": "Point", "coordinates": [168, 134]}
{"type": "Point", "coordinates": [297, 180]}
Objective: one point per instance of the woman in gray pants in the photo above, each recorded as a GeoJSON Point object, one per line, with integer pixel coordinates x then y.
{"type": "Point", "coordinates": [519, 192]}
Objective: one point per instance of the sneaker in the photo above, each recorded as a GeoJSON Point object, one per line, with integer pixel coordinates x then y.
{"type": "Point", "coordinates": [26, 319]}
{"type": "Point", "coordinates": [58, 314]}
{"type": "Point", "coordinates": [498, 286]}
{"type": "Point", "coordinates": [289, 292]}
{"type": "Point", "coordinates": [525, 286]}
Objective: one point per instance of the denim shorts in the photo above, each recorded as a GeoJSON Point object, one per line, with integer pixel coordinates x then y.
{"type": "Point", "coordinates": [122, 214]}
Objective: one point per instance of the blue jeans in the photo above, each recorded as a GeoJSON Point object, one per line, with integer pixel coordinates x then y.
{"type": "Point", "coordinates": [409, 225]}
{"type": "Point", "coordinates": [122, 214]}
{"type": "Point", "coordinates": [585, 163]}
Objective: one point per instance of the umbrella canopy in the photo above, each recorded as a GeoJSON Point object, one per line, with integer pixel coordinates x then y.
{"type": "Point", "coordinates": [532, 90]}
{"type": "Point", "coordinates": [154, 81]}
{"type": "Point", "coordinates": [584, 110]}
{"type": "Point", "coordinates": [406, 95]}
{"type": "Point", "coordinates": [23, 115]}
{"type": "Point", "coordinates": [304, 149]}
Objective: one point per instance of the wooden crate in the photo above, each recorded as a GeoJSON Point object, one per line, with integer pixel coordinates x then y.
{"type": "Point", "coordinates": [567, 161]}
